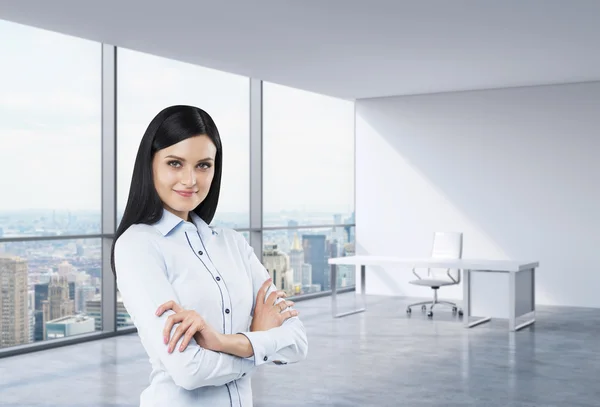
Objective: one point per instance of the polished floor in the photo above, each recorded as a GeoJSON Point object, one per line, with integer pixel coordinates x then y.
{"type": "Point", "coordinates": [378, 358]}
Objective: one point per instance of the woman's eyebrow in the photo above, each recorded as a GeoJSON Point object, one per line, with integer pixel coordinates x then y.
{"type": "Point", "coordinates": [183, 159]}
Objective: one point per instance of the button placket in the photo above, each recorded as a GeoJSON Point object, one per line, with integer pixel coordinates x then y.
{"type": "Point", "coordinates": [227, 311]}
{"type": "Point", "coordinates": [195, 243]}
{"type": "Point", "coordinates": [228, 314]}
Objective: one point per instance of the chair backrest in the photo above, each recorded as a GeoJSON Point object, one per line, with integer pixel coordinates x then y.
{"type": "Point", "coordinates": [446, 245]}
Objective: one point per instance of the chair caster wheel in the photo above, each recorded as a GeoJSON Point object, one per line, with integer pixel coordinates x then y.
{"type": "Point", "coordinates": [430, 314]}
{"type": "Point", "coordinates": [408, 310]}
{"type": "Point", "coordinates": [454, 309]}
{"type": "Point", "coordinates": [423, 308]}
{"type": "Point", "coordinates": [460, 313]}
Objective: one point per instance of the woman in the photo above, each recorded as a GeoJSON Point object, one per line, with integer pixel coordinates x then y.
{"type": "Point", "coordinates": [205, 310]}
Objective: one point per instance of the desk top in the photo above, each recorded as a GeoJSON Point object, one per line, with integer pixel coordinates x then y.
{"type": "Point", "coordinates": [464, 264]}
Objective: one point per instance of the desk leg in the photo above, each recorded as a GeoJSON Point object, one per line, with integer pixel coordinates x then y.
{"type": "Point", "coordinates": [512, 323]}
{"type": "Point", "coordinates": [467, 303]}
{"type": "Point", "coordinates": [466, 298]}
{"type": "Point", "coordinates": [333, 283]}
{"type": "Point", "coordinates": [334, 293]}
{"type": "Point", "coordinates": [512, 303]}
{"type": "Point", "coordinates": [363, 286]}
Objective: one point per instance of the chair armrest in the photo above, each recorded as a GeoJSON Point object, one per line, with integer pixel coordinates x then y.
{"type": "Point", "coordinates": [416, 274]}
{"type": "Point", "coordinates": [450, 276]}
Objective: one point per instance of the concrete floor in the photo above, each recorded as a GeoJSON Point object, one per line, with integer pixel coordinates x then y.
{"type": "Point", "coordinates": [378, 358]}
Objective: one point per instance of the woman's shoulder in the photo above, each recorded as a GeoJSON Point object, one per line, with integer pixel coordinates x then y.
{"type": "Point", "coordinates": [140, 229]}
{"type": "Point", "coordinates": [138, 234]}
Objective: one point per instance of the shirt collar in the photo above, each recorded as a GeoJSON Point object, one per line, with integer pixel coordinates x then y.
{"type": "Point", "coordinates": [205, 231]}
{"type": "Point", "coordinates": [169, 221]}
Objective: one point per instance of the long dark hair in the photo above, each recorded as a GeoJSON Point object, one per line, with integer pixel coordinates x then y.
{"type": "Point", "coordinates": [170, 126]}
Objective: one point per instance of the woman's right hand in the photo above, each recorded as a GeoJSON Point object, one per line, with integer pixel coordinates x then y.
{"type": "Point", "coordinates": [190, 325]}
{"type": "Point", "coordinates": [268, 314]}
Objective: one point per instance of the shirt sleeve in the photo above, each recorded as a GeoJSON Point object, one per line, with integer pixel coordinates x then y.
{"type": "Point", "coordinates": [143, 284]}
{"type": "Point", "coordinates": [285, 344]}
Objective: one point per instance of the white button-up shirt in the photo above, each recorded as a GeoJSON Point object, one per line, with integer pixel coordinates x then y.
{"type": "Point", "coordinates": [215, 272]}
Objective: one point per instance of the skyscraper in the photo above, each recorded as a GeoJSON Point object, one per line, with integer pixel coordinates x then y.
{"type": "Point", "coordinates": [31, 314]}
{"type": "Point", "coordinates": [71, 290]}
{"type": "Point", "coordinates": [277, 264]}
{"type": "Point", "coordinates": [93, 308]}
{"type": "Point", "coordinates": [296, 259]}
{"type": "Point", "coordinates": [307, 276]}
{"type": "Point", "coordinates": [315, 254]}
{"type": "Point", "coordinates": [84, 293]}
{"type": "Point", "coordinates": [14, 316]}
{"type": "Point", "coordinates": [58, 304]}
{"type": "Point", "coordinates": [41, 295]}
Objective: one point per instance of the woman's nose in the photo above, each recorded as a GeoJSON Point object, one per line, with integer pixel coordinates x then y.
{"type": "Point", "coordinates": [189, 179]}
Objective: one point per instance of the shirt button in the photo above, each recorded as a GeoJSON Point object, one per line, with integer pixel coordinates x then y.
{"type": "Point", "coordinates": [265, 358]}
{"type": "Point", "coordinates": [200, 252]}
{"type": "Point", "coordinates": [227, 311]}
{"type": "Point", "coordinates": [218, 278]}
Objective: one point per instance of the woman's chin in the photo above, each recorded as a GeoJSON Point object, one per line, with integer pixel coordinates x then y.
{"type": "Point", "coordinates": [183, 207]}
{"type": "Point", "coordinates": [186, 208]}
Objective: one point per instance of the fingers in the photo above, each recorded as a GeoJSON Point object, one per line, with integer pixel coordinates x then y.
{"type": "Point", "coordinates": [289, 314]}
{"type": "Point", "coordinates": [196, 326]}
{"type": "Point", "coordinates": [179, 332]}
{"type": "Point", "coordinates": [272, 299]}
{"type": "Point", "coordinates": [169, 305]}
{"type": "Point", "coordinates": [189, 334]}
{"type": "Point", "coordinates": [283, 305]}
{"type": "Point", "coordinates": [171, 321]}
{"type": "Point", "coordinates": [260, 297]}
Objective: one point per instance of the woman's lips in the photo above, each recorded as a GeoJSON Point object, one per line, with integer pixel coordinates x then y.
{"type": "Point", "coordinates": [186, 194]}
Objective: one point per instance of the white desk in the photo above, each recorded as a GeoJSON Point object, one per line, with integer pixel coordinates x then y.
{"type": "Point", "coordinates": [521, 282]}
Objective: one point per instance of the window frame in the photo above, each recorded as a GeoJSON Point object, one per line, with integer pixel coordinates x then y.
{"type": "Point", "coordinates": [109, 205]}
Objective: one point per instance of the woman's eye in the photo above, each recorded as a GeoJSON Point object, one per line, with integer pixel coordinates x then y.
{"type": "Point", "coordinates": [204, 166]}
{"type": "Point", "coordinates": [175, 164]}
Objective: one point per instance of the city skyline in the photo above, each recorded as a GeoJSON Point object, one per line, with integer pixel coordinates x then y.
{"type": "Point", "coordinates": [38, 222]}
{"type": "Point", "coordinates": [61, 279]}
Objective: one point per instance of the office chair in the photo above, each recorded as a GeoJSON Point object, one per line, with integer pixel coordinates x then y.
{"type": "Point", "coordinates": [446, 245]}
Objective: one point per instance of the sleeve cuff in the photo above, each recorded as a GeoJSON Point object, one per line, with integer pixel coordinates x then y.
{"type": "Point", "coordinates": [263, 346]}
{"type": "Point", "coordinates": [246, 367]}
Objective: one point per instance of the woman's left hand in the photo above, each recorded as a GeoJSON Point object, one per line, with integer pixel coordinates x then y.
{"type": "Point", "coordinates": [191, 325]}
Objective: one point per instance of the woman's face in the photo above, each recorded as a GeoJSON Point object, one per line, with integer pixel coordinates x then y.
{"type": "Point", "coordinates": [183, 173]}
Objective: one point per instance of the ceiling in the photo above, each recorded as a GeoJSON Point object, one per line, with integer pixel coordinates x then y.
{"type": "Point", "coordinates": [348, 48]}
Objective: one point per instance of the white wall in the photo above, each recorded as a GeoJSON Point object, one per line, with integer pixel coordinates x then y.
{"type": "Point", "coordinates": [517, 170]}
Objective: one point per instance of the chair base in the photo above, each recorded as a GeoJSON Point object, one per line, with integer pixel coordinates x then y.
{"type": "Point", "coordinates": [433, 302]}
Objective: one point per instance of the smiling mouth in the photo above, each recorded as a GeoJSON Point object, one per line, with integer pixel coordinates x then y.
{"type": "Point", "coordinates": [186, 194]}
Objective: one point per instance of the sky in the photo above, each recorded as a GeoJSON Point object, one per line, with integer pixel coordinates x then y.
{"type": "Point", "coordinates": [50, 127]}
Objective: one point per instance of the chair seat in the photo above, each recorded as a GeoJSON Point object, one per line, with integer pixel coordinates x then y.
{"type": "Point", "coordinates": [432, 282]}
